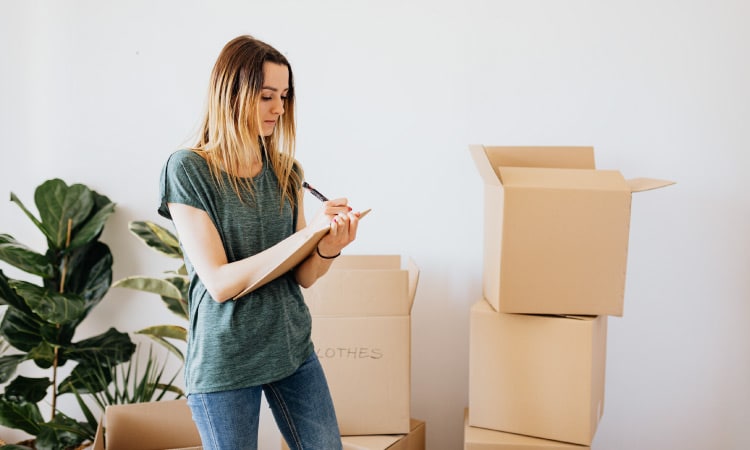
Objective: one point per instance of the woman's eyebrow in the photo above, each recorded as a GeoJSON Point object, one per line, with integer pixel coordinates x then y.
{"type": "Point", "coordinates": [270, 88]}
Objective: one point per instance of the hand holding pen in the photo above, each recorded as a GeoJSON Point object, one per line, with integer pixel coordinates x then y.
{"type": "Point", "coordinates": [343, 225]}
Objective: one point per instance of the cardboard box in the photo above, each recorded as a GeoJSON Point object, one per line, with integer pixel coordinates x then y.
{"type": "Point", "coordinates": [536, 375]}
{"type": "Point", "coordinates": [483, 439]}
{"type": "Point", "coordinates": [414, 440]}
{"type": "Point", "coordinates": [555, 230]}
{"type": "Point", "coordinates": [162, 425]}
{"type": "Point", "coordinates": [361, 313]}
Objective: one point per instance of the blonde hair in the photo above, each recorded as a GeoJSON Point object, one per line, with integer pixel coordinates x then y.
{"type": "Point", "coordinates": [230, 137]}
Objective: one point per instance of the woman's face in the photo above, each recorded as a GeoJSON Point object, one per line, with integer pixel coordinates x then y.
{"type": "Point", "coordinates": [273, 95]}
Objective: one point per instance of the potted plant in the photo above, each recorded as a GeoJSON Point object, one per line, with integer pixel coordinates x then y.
{"type": "Point", "coordinates": [40, 321]}
{"type": "Point", "coordinates": [172, 288]}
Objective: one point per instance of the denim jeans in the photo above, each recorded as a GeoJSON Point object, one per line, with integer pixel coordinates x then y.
{"type": "Point", "coordinates": [301, 405]}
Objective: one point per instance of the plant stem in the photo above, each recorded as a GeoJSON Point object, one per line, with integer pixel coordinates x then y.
{"type": "Point", "coordinates": [61, 290]}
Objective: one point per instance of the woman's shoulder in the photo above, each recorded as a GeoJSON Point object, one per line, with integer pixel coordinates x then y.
{"type": "Point", "coordinates": [186, 155]}
{"type": "Point", "coordinates": [187, 158]}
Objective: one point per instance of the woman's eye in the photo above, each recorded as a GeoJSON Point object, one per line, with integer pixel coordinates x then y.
{"type": "Point", "coordinates": [266, 98]}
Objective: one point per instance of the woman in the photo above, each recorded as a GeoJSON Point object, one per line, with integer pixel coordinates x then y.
{"type": "Point", "coordinates": [232, 199]}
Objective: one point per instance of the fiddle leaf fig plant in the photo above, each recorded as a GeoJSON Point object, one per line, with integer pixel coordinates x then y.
{"type": "Point", "coordinates": [173, 288]}
{"type": "Point", "coordinates": [41, 318]}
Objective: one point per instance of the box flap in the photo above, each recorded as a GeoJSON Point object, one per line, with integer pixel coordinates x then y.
{"type": "Point", "coordinates": [150, 426]}
{"type": "Point", "coordinates": [587, 179]}
{"type": "Point", "coordinates": [647, 184]}
{"type": "Point", "coordinates": [364, 285]}
{"type": "Point", "coordinates": [489, 158]}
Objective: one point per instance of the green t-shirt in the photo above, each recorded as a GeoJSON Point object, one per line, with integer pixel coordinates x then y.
{"type": "Point", "coordinates": [265, 335]}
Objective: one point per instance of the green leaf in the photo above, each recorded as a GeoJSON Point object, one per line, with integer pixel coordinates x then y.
{"type": "Point", "coordinates": [167, 345]}
{"type": "Point", "coordinates": [112, 346]}
{"type": "Point", "coordinates": [166, 331]}
{"type": "Point", "coordinates": [179, 306]}
{"type": "Point", "coordinates": [62, 433]}
{"type": "Point", "coordinates": [44, 355]}
{"type": "Point", "coordinates": [90, 273]}
{"type": "Point", "coordinates": [22, 331]}
{"type": "Point", "coordinates": [93, 227]}
{"type": "Point", "coordinates": [27, 389]}
{"type": "Point", "coordinates": [24, 258]}
{"type": "Point", "coordinates": [9, 297]}
{"type": "Point", "coordinates": [9, 365]}
{"type": "Point", "coordinates": [157, 237]}
{"type": "Point", "coordinates": [49, 305]}
{"type": "Point", "coordinates": [157, 286]}
{"type": "Point", "coordinates": [87, 378]}
{"type": "Point", "coordinates": [20, 415]}
{"type": "Point", "coordinates": [33, 218]}
{"type": "Point", "coordinates": [59, 205]}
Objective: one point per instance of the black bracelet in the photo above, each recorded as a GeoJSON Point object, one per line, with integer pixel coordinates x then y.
{"type": "Point", "coordinates": [317, 250]}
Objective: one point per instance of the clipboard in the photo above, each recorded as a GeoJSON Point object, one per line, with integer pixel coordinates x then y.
{"type": "Point", "coordinates": [295, 249]}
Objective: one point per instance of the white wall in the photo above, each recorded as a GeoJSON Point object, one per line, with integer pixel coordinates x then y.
{"type": "Point", "coordinates": [390, 95]}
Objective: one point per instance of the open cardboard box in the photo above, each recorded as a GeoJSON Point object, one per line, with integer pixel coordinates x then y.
{"type": "Point", "coordinates": [483, 439]}
{"type": "Point", "coordinates": [361, 312]}
{"type": "Point", "coordinates": [414, 440]}
{"type": "Point", "coordinates": [162, 425]}
{"type": "Point", "coordinates": [537, 375]}
{"type": "Point", "coordinates": [555, 230]}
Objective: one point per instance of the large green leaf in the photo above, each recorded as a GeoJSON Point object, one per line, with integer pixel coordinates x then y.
{"type": "Point", "coordinates": [21, 415]}
{"type": "Point", "coordinates": [27, 389]}
{"type": "Point", "coordinates": [62, 433]}
{"type": "Point", "coordinates": [62, 207]}
{"type": "Point", "coordinates": [21, 330]}
{"type": "Point", "coordinates": [157, 237]}
{"type": "Point", "coordinates": [87, 378]}
{"type": "Point", "coordinates": [157, 286]}
{"type": "Point", "coordinates": [112, 346]}
{"type": "Point", "coordinates": [9, 365]}
{"type": "Point", "coordinates": [24, 258]}
{"type": "Point", "coordinates": [51, 306]}
{"type": "Point", "coordinates": [93, 227]}
{"type": "Point", "coordinates": [9, 297]}
{"type": "Point", "coordinates": [89, 273]}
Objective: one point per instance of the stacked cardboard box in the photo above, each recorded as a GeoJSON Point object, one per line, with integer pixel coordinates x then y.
{"type": "Point", "coordinates": [361, 312]}
{"type": "Point", "coordinates": [555, 252]}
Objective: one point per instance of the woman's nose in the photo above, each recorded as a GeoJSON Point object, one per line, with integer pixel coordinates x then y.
{"type": "Point", "coordinates": [278, 106]}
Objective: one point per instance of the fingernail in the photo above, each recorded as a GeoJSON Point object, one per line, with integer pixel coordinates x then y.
{"type": "Point", "coordinates": [350, 208]}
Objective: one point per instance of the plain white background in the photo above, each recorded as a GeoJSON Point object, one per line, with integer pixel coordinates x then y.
{"type": "Point", "coordinates": [390, 95]}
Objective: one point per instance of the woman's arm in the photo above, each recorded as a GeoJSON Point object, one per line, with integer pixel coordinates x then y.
{"type": "Point", "coordinates": [224, 280]}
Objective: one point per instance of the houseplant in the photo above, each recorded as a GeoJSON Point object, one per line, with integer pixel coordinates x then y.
{"type": "Point", "coordinates": [41, 319]}
{"type": "Point", "coordinates": [172, 288]}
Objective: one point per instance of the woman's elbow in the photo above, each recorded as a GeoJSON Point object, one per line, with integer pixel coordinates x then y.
{"type": "Point", "coordinates": [218, 294]}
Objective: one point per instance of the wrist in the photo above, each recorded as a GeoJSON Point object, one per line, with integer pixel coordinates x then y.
{"type": "Point", "coordinates": [317, 250]}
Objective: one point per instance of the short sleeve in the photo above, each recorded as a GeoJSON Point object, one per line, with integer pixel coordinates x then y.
{"type": "Point", "coordinates": [180, 182]}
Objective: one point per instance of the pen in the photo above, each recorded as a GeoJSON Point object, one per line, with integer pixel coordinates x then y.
{"type": "Point", "coordinates": [314, 192]}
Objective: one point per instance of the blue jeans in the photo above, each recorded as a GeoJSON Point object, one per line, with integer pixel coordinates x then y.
{"type": "Point", "coordinates": [301, 405]}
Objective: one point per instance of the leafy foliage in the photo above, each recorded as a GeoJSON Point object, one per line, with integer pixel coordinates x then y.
{"type": "Point", "coordinates": [41, 318]}
{"type": "Point", "coordinates": [172, 289]}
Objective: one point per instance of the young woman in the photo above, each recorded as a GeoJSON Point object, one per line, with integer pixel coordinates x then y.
{"type": "Point", "coordinates": [233, 198]}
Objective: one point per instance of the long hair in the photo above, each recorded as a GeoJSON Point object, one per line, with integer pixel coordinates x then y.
{"type": "Point", "coordinates": [231, 137]}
